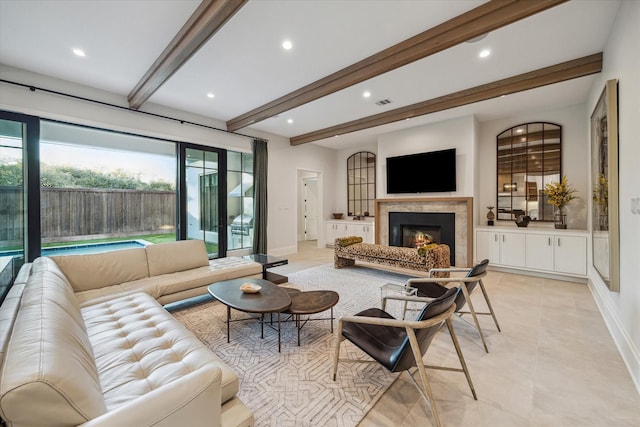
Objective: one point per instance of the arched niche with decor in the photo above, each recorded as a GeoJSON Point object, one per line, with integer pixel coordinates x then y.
{"type": "Point", "coordinates": [361, 183]}
{"type": "Point", "coordinates": [529, 156]}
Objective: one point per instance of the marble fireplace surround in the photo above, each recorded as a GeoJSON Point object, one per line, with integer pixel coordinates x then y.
{"type": "Point", "coordinates": [461, 206]}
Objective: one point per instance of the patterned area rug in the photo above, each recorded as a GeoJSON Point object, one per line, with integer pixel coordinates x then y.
{"type": "Point", "coordinates": [295, 387]}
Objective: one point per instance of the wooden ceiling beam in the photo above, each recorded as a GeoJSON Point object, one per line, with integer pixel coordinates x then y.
{"type": "Point", "coordinates": [485, 18]}
{"type": "Point", "coordinates": [544, 76]}
{"type": "Point", "coordinates": [205, 21]}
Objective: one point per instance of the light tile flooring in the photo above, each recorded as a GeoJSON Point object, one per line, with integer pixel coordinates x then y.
{"type": "Point", "coordinates": [553, 364]}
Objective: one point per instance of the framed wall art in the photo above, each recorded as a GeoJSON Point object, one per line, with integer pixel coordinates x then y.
{"type": "Point", "coordinates": [604, 180]}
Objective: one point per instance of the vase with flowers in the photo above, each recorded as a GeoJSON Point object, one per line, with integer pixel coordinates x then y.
{"type": "Point", "coordinates": [559, 194]}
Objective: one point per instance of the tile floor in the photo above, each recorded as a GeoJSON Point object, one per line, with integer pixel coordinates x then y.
{"type": "Point", "coordinates": [553, 364]}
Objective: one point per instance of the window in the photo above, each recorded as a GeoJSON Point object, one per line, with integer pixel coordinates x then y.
{"type": "Point", "coordinates": [528, 157]}
{"type": "Point", "coordinates": [240, 200]}
{"type": "Point", "coordinates": [361, 183]}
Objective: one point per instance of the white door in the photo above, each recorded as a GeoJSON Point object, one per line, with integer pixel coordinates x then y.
{"type": "Point", "coordinates": [310, 208]}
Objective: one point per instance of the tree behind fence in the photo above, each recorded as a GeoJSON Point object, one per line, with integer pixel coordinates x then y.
{"type": "Point", "coordinates": [69, 213]}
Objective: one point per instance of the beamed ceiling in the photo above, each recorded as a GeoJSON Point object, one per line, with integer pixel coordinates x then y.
{"type": "Point", "coordinates": [420, 58]}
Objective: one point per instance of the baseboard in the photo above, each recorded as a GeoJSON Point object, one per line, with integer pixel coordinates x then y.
{"type": "Point", "coordinates": [626, 348]}
{"type": "Point", "coordinates": [536, 273]}
{"type": "Point", "coordinates": [283, 251]}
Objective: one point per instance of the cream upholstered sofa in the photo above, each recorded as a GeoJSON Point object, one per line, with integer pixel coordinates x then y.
{"type": "Point", "coordinates": [74, 353]}
{"type": "Point", "coordinates": [168, 271]}
{"type": "Point", "coordinates": [349, 249]}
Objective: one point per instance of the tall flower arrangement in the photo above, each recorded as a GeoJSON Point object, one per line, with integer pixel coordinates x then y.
{"type": "Point", "coordinates": [559, 194]}
{"type": "Point", "coordinates": [601, 192]}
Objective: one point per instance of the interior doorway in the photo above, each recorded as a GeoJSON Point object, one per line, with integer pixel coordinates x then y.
{"type": "Point", "coordinates": [308, 205]}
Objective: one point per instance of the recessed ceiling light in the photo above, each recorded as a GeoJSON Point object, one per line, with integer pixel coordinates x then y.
{"type": "Point", "coordinates": [477, 38]}
{"type": "Point", "coordinates": [519, 130]}
{"type": "Point", "coordinates": [484, 53]}
{"type": "Point", "coordinates": [366, 94]}
{"type": "Point", "coordinates": [210, 95]}
{"type": "Point", "coordinates": [287, 45]}
{"type": "Point", "coordinates": [289, 121]}
{"type": "Point", "coordinates": [79, 52]}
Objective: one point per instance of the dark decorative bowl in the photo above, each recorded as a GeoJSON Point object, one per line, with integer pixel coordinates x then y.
{"type": "Point", "coordinates": [523, 220]}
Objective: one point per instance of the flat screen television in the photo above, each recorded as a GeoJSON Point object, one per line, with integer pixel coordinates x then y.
{"type": "Point", "coordinates": [430, 172]}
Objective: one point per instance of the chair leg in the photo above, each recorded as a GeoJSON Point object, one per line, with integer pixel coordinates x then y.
{"type": "Point", "coordinates": [452, 333]}
{"type": "Point", "coordinates": [486, 298]}
{"type": "Point", "coordinates": [465, 291]}
{"type": "Point", "coordinates": [336, 353]}
{"type": "Point", "coordinates": [423, 375]}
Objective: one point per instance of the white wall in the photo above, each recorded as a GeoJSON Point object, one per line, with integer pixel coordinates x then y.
{"type": "Point", "coordinates": [456, 133]}
{"type": "Point", "coordinates": [284, 163]}
{"type": "Point", "coordinates": [621, 310]}
{"type": "Point", "coordinates": [575, 150]}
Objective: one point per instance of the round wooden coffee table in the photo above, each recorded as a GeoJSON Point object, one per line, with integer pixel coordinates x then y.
{"type": "Point", "coordinates": [270, 299]}
{"type": "Point", "coordinates": [311, 302]}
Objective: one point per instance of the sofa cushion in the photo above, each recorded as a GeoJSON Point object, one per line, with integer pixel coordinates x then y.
{"type": "Point", "coordinates": [176, 256]}
{"type": "Point", "coordinates": [93, 271]}
{"type": "Point", "coordinates": [140, 347]}
{"type": "Point", "coordinates": [49, 359]}
{"type": "Point", "coordinates": [401, 254]}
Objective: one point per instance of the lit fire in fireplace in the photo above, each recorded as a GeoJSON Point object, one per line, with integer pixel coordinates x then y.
{"type": "Point", "coordinates": [420, 239]}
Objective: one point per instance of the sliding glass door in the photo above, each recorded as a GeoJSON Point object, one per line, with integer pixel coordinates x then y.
{"type": "Point", "coordinates": [19, 184]}
{"type": "Point", "coordinates": [202, 201]}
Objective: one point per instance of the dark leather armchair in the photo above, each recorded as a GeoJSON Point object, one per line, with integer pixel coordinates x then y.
{"type": "Point", "coordinates": [397, 344]}
{"type": "Point", "coordinates": [434, 287]}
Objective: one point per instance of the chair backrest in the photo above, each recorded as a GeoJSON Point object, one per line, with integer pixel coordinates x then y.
{"type": "Point", "coordinates": [404, 356]}
{"type": "Point", "coordinates": [477, 270]}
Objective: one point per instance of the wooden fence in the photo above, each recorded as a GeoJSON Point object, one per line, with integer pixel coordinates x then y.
{"type": "Point", "coordinates": [70, 213]}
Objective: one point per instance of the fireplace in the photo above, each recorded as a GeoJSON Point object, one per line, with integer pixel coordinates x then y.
{"type": "Point", "coordinates": [414, 229]}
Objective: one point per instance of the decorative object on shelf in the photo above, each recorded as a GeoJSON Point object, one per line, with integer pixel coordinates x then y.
{"type": "Point", "coordinates": [490, 215]}
{"type": "Point", "coordinates": [523, 220]}
{"type": "Point", "coordinates": [337, 215]}
{"type": "Point", "coordinates": [559, 194]}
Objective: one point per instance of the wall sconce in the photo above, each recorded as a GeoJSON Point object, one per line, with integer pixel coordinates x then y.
{"type": "Point", "coordinates": [510, 187]}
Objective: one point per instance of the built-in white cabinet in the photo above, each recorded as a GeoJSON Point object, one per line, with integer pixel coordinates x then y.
{"type": "Point", "coordinates": [554, 251]}
{"type": "Point", "coordinates": [334, 229]}
{"type": "Point", "coordinates": [504, 248]}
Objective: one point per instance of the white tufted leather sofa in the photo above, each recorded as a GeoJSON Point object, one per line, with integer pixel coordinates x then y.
{"type": "Point", "coordinates": [68, 358]}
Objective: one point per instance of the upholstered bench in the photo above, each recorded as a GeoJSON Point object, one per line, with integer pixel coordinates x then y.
{"type": "Point", "coordinates": [349, 249]}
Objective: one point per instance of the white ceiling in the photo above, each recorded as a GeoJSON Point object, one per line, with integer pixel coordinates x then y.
{"type": "Point", "coordinates": [244, 65]}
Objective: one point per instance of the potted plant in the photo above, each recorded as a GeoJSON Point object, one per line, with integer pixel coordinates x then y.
{"type": "Point", "coordinates": [559, 194]}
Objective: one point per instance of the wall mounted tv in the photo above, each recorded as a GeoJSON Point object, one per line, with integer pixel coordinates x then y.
{"type": "Point", "coordinates": [431, 172]}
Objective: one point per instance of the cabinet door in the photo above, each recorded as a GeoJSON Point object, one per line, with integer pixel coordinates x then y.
{"type": "Point", "coordinates": [539, 251]}
{"type": "Point", "coordinates": [369, 235]}
{"type": "Point", "coordinates": [512, 249]}
{"type": "Point", "coordinates": [344, 230]}
{"type": "Point", "coordinates": [571, 255]}
{"type": "Point", "coordinates": [329, 233]}
{"type": "Point", "coordinates": [488, 246]}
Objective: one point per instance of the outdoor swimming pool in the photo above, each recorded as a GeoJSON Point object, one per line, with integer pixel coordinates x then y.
{"type": "Point", "coordinates": [86, 248]}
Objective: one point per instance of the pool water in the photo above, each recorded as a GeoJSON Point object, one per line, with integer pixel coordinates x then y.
{"type": "Point", "coordinates": [87, 248]}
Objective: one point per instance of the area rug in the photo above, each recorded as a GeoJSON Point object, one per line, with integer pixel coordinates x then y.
{"type": "Point", "coordinates": [295, 387]}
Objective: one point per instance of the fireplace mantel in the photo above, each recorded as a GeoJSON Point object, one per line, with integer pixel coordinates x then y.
{"type": "Point", "coordinates": [461, 206]}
